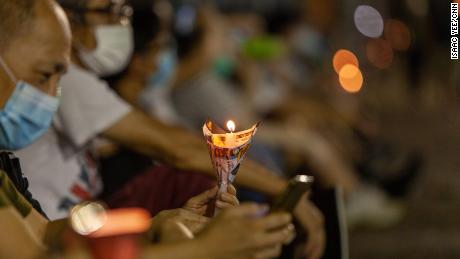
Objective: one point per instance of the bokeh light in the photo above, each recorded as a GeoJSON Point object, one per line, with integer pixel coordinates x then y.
{"type": "Point", "coordinates": [124, 221]}
{"type": "Point", "coordinates": [398, 34]}
{"type": "Point", "coordinates": [231, 126]}
{"type": "Point", "coordinates": [368, 21]}
{"type": "Point", "coordinates": [351, 78]}
{"type": "Point", "coordinates": [87, 218]}
{"type": "Point", "coordinates": [379, 53]}
{"type": "Point", "coordinates": [344, 57]}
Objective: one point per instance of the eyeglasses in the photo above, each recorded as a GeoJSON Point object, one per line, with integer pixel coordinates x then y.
{"type": "Point", "coordinates": [117, 9]}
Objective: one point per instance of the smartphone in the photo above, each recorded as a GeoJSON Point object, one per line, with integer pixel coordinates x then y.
{"type": "Point", "coordinates": [297, 187]}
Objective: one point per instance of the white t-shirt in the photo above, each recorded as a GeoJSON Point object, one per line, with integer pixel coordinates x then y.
{"type": "Point", "coordinates": [60, 170]}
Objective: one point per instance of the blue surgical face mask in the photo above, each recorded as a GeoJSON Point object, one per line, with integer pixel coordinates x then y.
{"type": "Point", "coordinates": [166, 66]}
{"type": "Point", "coordinates": [27, 114]}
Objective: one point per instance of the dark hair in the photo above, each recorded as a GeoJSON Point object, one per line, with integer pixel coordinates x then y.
{"type": "Point", "coordinates": [146, 25]}
{"type": "Point", "coordinates": [281, 19]}
{"type": "Point", "coordinates": [16, 17]}
{"type": "Point", "coordinates": [190, 38]}
{"type": "Point", "coordinates": [73, 4]}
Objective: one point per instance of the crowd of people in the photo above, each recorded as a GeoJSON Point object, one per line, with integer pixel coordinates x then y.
{"type": "Point", "coordinates": [105, 100]}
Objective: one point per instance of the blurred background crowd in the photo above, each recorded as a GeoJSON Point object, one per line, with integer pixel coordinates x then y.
{"type": "Point", "coordinates": [356, 93]}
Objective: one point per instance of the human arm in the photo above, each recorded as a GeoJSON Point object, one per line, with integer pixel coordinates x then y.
{"type": "Point", "coordinates": [187, 151]}
{"type": "Point", "coordinates": [312, 221]}
{"type": "Point", "coordinates": [184, 150]}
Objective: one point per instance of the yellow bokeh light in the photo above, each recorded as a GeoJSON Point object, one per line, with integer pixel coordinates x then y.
{"type": "Point", "coordinates": [351, 78]}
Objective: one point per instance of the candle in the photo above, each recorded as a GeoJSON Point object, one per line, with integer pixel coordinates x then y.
{"type": "Point", "coordinates": [227, 149]}
{"type": "Point", "coordinates": [231, 137]}
{"type": "Point", "coordinates": [113, 234]}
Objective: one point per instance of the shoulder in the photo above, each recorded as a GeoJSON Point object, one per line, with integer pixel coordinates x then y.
{"type": "Point", "coordinates": [77, 76]}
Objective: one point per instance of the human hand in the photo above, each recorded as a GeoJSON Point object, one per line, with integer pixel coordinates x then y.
{"type": "Point", "coordinates": [199, 204]}
{"type": "Point", "coordinates": [176, 224]}
{"type": "Point", "coordinates": [312, 221]}
{"type": "Point", "coordinates": [242, 232]}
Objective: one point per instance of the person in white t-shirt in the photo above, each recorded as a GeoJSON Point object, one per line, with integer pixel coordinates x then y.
{"type": "Point", "coordinates": [59, 164]}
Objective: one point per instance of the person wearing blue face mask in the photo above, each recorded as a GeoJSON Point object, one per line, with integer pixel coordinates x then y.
{"type": "Point", "coordinates": [34, 53]}
{"type": "Point", "coordinates": [156, 97]}
{"type": "Point", "coordinates": [26, 115]}
{"type": "Point", "coordinates": [29, 86]}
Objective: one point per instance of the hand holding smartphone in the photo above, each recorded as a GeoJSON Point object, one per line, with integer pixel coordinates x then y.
{"type": "Point", "coordinates": [297, 187]}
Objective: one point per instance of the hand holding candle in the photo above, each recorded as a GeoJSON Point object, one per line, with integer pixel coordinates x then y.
{"type": "Point", "coordinates": [227, 150]}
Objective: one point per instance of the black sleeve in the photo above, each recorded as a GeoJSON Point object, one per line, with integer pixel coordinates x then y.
{"type": "Point", "coordinates": [11, 165]}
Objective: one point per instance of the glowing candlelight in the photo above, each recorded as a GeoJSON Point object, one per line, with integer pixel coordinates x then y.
{"type": "Point", "coordinates": [231, 126]}
{"type": "Point", "coordinates": [227, 149]}
{"type": "Point", "coordinates": [231, 136]}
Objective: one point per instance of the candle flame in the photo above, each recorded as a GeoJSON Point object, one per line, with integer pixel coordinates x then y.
{"type": "Point", "coordinates": [231, 126]}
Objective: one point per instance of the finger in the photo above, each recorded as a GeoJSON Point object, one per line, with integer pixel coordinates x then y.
{"type": "Point", "coordinates": [247, 210]}
{"type": "Point", "coordinates": [270, 252]}
{"type": "Point", "coordinates": [272, 238]}
{"type": "Point", "coordinates": [291, 233]}
{"type": "Point", "coordinates": [204, 197]}
{"type": "Point", "coordinates": [196, 227]}
{"type": "Point", "coordinates": [185, 215]}
{"type": "Point", "coordinates": [311, 244]}
{"type": "Point", "coordinates": [200, 220]}
{"type": "Point", "coordinates": [277, 220]}
{"type": "Point", "coordinates": [223, 205]}
{"type": "Point", "coordinates": [231, 189]}
{"type": "Point", "coordinates": [317, 249]}
{"type": "Point", "coordinates": [316, 246]}
{"type": "Point", "coordinates": [309, 248]}
{"type": "Point", "coordinates": [192, 221]}
{"type": "Point", "coordinates": [315, 226]}
{"type": "Point", "coordinates": [229, 198]}
{"type": "Point", "coordinates": [174, 231]}
{"type": "Point", "coordinates": [314, 253]}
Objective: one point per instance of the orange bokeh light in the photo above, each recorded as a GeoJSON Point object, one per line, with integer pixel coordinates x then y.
{"type": "Point", "coordinates": [124, 221]}
{"type": "Point", "coordinates": [379, 53]}
{"type": "Point", "coordinates": [398, 34]}
{"type": "Point", "coordinates": [344, 57]}
{"type": "Point", "coordinates": [351, 78]}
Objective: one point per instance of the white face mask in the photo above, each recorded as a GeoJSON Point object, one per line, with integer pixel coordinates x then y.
{"type": "Point", "coordinates": [115, 46]}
